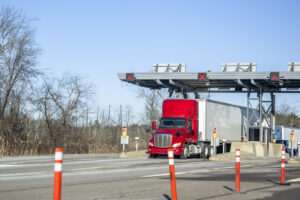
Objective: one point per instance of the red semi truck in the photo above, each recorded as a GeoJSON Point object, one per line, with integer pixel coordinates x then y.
{"type": "Point", "coordinates": [187, 126]}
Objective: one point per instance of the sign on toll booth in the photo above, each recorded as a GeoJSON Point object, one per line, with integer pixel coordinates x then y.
{"type": "Point", "coordinates": [124, 140]}
{"type": "Point", "coordinates": [215, 134]}
{"type": "Point", "coordinates": [292, 143]}
{"type": "Point", "coordinates": [215, 141]}
{"type": "Point", "coordinates": [124, 132]}
{"type": "Point", "coordinates": [292, 136]}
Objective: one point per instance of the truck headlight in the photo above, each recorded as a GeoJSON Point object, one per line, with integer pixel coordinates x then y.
{"type": "Point", "coordinates": [151, 144]}
{"type": "Point", "coordinates": [176, 145]}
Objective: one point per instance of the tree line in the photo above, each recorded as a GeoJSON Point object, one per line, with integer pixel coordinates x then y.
{"type": "Point", "coordinates": [39, 112]}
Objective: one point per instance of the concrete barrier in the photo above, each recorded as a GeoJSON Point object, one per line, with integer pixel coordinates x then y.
{"type": "Point", "coordinates": [231, 156]}
{"type": "Point", "coordinates": [274, 149]}
{"type": "Point", "coordinates": [135, 154]}
{"type": "Point", "coordinates": [258, 149]}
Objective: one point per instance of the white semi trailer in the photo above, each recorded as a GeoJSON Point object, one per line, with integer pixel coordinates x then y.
{"type": "Point", "coordinates": [230, 120]}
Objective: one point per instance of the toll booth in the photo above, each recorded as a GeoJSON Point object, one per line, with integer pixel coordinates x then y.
{"type": "Point", "coordinates": [260, 87]}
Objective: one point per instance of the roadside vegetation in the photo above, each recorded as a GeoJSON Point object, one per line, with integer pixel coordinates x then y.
{"type": "Point", "coordinates": [39, 112]}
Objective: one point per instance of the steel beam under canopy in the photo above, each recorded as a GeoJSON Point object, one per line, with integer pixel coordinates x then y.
{"type": "Point", "coordinates": [275, 82]}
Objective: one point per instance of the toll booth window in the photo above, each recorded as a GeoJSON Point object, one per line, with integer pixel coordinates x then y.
{"type": "Point", "coordinates": [172, 123]}
{"type": "Point", "coordinates": [189, 124]}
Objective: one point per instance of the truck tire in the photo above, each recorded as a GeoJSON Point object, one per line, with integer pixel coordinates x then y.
{"type": "Point", "coordinates": [211, 151]}
{"type": "Point", "coordinates": [185, 152]}
{"type": "Point", "coordinates": [205, 153]}
{"type": "Point", "coordinates": [153, 156]}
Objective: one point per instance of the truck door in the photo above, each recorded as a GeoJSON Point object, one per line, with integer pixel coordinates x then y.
{"type": "Point", "coordinates": [189, 132]}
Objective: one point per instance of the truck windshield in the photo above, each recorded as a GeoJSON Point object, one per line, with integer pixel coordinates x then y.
{"type": "Point", "coordinates": [172, 123]}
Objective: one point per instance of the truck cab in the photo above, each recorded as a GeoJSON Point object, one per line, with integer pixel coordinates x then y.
{"type": "Point", "coordinates": [177, 128]}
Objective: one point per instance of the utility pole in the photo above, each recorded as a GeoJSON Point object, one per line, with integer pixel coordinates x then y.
{"type": "Point", "coordinates": [108, 115]}
{"type": "Point", "coordinates": [87, 117]}
{"type": "Point", "coordinates": [98, 123]}
{"type": "Point", "coordinates": [87, 122]}
{"type": "Point", "coordinates": [121, 115]}
{"type": "Point", "coordinates": [121, 124]}
{"type": "Point", "coordinates": [97, 115]}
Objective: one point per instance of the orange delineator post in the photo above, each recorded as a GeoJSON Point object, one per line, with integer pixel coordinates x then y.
{"type": "Point", "coordinates": [172, 173]}
{"type": "Point", "coordinates": [237, 170]}
{"type": "Point", "coordinates": [282, 164]}
{"type": "Point", "coordinates": [57, 173]}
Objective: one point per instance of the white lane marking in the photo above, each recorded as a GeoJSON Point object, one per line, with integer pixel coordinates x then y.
{"type": "Point", "coordinates": [85, 169]}
{"type": "Point", "coordinates": [154, 175]}
{"type": "Point", "coordinates": [200, 170]}
{"type": "Point", "coordinates": [27, 165]}
{"type": "Point", "coordinates": [7, 165]}
{"type": "Point", "coordinates": [194, 171]}
{"type": "Point", "coordinates": [167, 174]}
{"type": "Point", "coordinates": [293, 180]}
{"type": "Point", "coordinates": [179, 173]}
{"type": "Point", "coordinates": [24, 173]}
{"type": "Point", "coordinates": [228, 167]}
{"type": "Point", "coordinates": [246, 165]}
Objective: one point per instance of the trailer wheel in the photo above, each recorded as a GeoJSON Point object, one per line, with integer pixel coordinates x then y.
{"type": "Point", "coordinates": [211, 151]}
{"type": "Point", "coordinates": [205, 152]}
{"type": "Point", "coordinates": [185, 152]}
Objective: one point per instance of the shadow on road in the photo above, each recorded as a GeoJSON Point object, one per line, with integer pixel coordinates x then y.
{"type": "Point", "coordinates": [286, 194]}
{"type": "Point", "coordinates": [253, 178]}
{"type": "Point", "coordinates": [228, 188]}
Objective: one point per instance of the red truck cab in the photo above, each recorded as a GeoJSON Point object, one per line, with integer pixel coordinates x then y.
{"type": "Point", "coordinates": [178, 128]}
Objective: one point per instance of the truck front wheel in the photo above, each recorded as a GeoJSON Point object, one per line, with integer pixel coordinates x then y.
{"type": "Point", "coordinates": [185, 152]}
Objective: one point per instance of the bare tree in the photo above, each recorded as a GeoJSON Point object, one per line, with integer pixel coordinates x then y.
{"type": "Point", "coordinates": [18, 55]}
{"type": "Point", "coordinates": [128, 115]}
{"type": "Point", "coordinates": [60, 101]}
{"type": "Point", "coordinates": [68, 94]}
{"type": "Point", "coordinates": [286, 117]}
{"type": "Point", "coordinates": [153, 102]}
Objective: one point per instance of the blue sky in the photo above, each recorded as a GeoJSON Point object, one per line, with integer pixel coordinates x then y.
{"type": "Point", "coordinates": [101, 38]}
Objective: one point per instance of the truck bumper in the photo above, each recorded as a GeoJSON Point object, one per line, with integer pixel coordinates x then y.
{"type": "Point", "coordinates": [164, 151]}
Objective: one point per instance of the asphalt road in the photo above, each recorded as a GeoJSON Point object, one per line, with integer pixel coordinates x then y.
{"type": "Point", "coordinates": [109, 177]}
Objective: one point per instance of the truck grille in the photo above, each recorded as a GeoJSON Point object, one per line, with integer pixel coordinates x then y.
{"type": "Point", "coordinates": [162, 140]}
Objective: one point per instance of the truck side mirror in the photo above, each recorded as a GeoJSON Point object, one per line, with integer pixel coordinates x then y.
{"type": "Point", "coordinates": [153, 125]}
